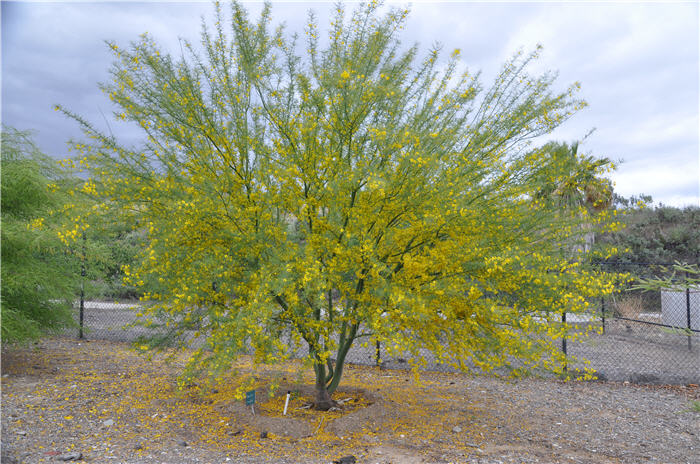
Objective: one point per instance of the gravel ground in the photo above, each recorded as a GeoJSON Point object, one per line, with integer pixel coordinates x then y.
{"type": "Point", "coordinates": [60, 396]}
{"type": "Point", "coordinates": [641, 353]}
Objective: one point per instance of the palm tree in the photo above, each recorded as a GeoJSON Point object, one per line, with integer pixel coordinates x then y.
{"type": "Point", "coordinates": [574, 182]}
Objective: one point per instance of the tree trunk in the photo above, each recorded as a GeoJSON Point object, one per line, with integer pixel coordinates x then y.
{"type": "Point", "coordinates": [326, 384]}
{"type": "Point", "coordinates": [323, 401]}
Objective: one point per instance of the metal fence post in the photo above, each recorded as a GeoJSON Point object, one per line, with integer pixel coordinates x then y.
{"type": "Point", "coordinates": [687, 310]}
{"type": "Point", "coordinates": [83, 273]}
{"type": "Point", "coordinates": [602, 312]}
{"type": "Point", "coordinates": [378, 354]}
{"type": "Point", "coordinates": [563, 342]}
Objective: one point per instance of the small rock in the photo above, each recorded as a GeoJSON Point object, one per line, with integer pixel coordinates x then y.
{"type": "Point", "coordinates": [21, 432]}
{"type": "Point", "coordinates": [263, 434]}
{"type": "Point", "coordinates": [75, 456]}
{"type": "Point", "coordinates": [108, 423]}
{"type": "Point", "coordinates": [456, 429]}
{"type": "Point", "coordinates": [182, 443]}
{"type": "Point", "coordinates": [346, 460]}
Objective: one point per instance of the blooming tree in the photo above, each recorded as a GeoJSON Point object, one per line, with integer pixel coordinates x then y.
{"type": "Point", "coordinates": [343, 194]}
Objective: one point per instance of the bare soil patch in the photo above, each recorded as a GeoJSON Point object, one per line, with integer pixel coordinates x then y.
{"type": "Point", "coordinates": [111, 404]}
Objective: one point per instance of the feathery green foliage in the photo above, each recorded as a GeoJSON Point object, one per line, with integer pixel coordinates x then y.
{"type": "Point", "coordinates": [38, 275]}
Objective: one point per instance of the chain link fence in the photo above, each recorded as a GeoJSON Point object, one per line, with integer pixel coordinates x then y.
{"type": "Point", "coordinates": [645, 336]}
{"type": "Point", "coordinates": [641, 337]}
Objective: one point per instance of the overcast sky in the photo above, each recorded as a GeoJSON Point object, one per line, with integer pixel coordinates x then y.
{"type": "Point", "coordinates": [637, 62]}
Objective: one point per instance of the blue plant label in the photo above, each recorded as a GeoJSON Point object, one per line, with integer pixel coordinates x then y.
{"type": "Point", "coordinates": [250, 397]}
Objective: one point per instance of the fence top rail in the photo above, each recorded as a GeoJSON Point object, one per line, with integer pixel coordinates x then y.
{"type": "Point", "coordinates": [657, 324]}
{"type": "Point", "coordinates": [622, 264]}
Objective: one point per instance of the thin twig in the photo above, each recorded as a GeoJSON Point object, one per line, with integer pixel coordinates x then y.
{"type": "Point", "coordinates": [319, 425]}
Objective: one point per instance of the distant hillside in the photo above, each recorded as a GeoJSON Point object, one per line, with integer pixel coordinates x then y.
{"type": "Point", "coordinates": [662, 234]}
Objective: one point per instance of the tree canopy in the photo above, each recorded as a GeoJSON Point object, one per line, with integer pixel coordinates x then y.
{"type": "Point", "coordinates": [343, 193]}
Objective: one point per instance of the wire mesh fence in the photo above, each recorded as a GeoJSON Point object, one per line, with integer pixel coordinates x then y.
{"type": "Point", "coordinates": [646, 336]}
{"type": "Point", "coordinates": [640, 336]}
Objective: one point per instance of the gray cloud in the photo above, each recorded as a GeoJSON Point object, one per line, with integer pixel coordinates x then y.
{"type": "Point", "coordinates": [638, 65]}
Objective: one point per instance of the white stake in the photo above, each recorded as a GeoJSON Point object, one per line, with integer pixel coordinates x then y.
{"type": "Point", "coordinates": [286, 403]}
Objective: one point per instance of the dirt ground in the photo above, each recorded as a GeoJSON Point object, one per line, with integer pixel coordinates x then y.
{"type": "Point", "coordinates": [111, 404]}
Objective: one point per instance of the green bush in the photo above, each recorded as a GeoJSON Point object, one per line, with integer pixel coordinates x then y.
{"type": "Point", "coordinates": [39, 276]}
